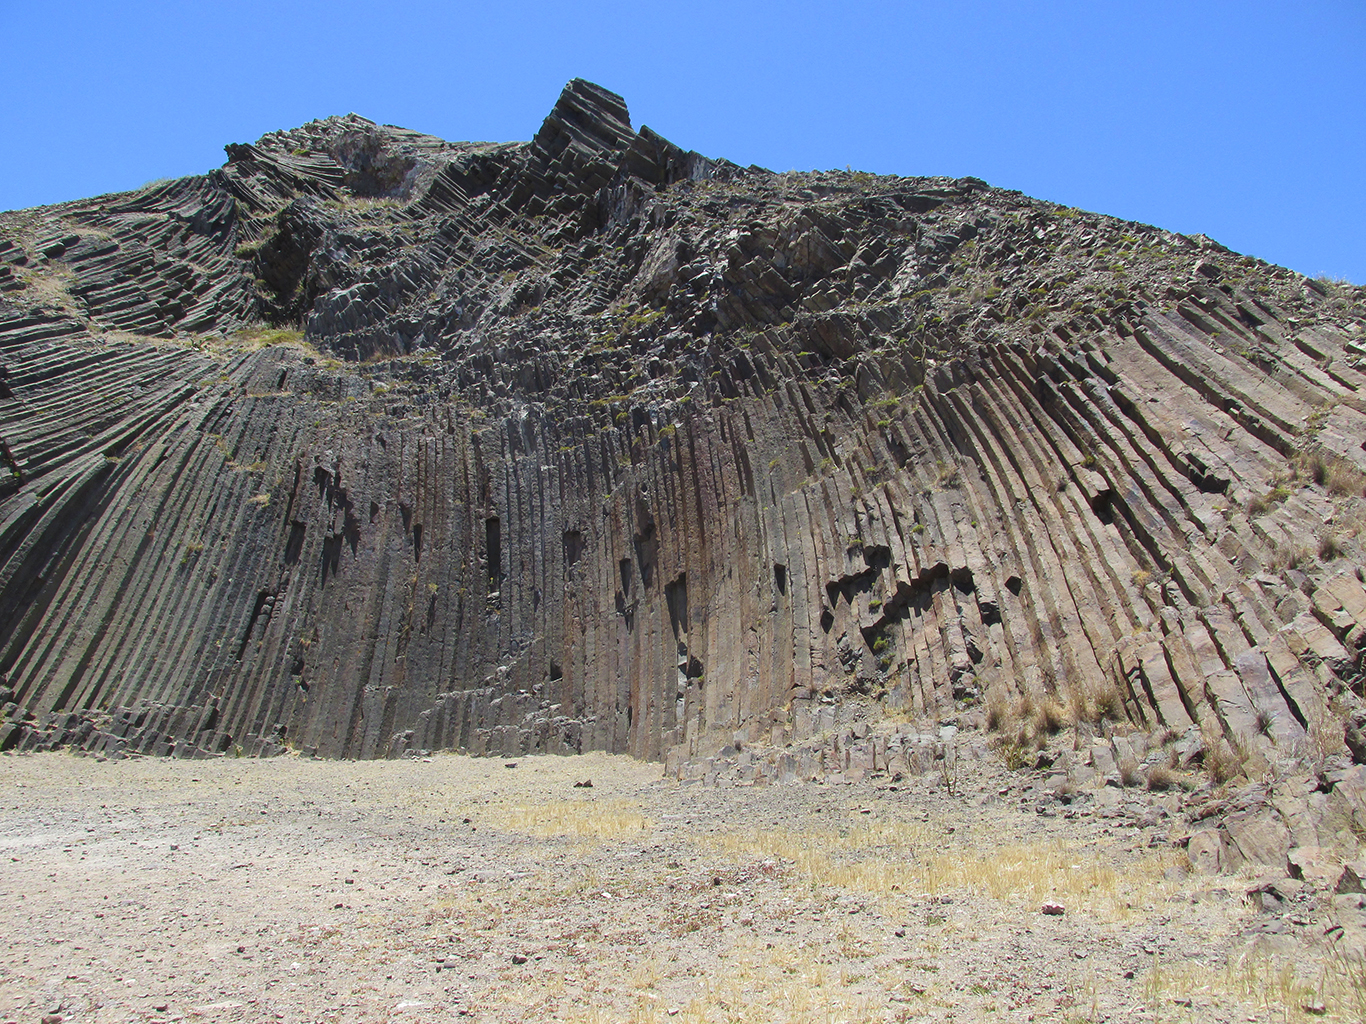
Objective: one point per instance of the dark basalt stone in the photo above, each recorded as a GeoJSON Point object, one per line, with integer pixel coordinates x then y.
{"type": "Point", "coordinates": [368, 443]}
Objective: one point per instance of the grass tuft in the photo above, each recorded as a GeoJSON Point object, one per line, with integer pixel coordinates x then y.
{"type": "Point", "coordinates": [1161, 778]}
{"type": "Point", "coordinates": [1129, 772]}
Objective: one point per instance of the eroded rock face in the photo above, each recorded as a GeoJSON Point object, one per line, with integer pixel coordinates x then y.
{"type": "Point", "coordinates": [368, 443]}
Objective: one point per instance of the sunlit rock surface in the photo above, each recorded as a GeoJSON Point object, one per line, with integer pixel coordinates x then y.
{"type": "Point", "coordinates": [368, 443]}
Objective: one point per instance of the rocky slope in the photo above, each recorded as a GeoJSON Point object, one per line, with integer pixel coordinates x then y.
{"type": "Point", "coordinates": [368, 443]}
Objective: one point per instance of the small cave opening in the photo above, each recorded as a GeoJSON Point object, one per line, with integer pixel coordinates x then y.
{"type": "Point", "coordinates": [329, 562]}
{"type": "Point", "coordinates": [627, 610]}
{"type": "Point", "coordinates": [1103, 506]}
{"type": "Point", "coordinates": [877, 556]}
{"type": "Point", "coordinates": [962, 580]}
{"type": "Point", "coordinates": [676, 598]}
{"type": "Point", "coordinates": [573, 547]}
{"type": "Point", "coordinates": [647, 552]}
{"type": "Point", "coordinates": [294, 548]}
{"type": "Point", "coordinates": [493, 548]}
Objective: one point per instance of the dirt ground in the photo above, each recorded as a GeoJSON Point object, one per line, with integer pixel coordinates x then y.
{"type": "Point", "coordinates": [448, 888]}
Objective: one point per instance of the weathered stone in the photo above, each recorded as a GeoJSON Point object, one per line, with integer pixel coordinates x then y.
{"type": "Point", "coordinates": [596, 443]}
{"type": "Point", "coordinates": [1348, 881]}
{"type": "Point", "coordinates": [1315, 864]}
{"type": "Point", "coordinates": [1259, 837]}
{"type": "Point", "coordinates": [1354, 735]}
{"type": "Point", "coordinates": [1211, 854]}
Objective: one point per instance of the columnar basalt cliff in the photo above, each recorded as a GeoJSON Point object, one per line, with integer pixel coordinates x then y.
{"type": "Point", "coordinates": [369, 443]}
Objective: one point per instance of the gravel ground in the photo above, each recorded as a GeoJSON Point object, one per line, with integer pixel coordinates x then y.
{"type": "Point", "coordinates": [302, 890]}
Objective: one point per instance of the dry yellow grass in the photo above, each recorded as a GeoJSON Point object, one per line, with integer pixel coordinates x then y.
{"type": "Point", "coordinates": [637, 898]}
{"type": "Point", "coordinates": [882, 858]}
{"type": "Point", "coordinates": [763, 982]}
{"type": "Point", "coordinates": [1335, 991]}
{"type": "Point", "coordinates": [50, 286]}
{"type": "Point", "coordinates": [583, 819]}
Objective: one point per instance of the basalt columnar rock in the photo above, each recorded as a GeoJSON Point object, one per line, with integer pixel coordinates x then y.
{"type": "Point", "coordinates": [369, 443]}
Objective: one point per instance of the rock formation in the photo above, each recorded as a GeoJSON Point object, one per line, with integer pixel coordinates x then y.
{"type": "Point", "coordinates": [368, 443]}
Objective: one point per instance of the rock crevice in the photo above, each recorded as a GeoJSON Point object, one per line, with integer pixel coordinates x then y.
{"type": "Point", "coordinates": [368, 443]}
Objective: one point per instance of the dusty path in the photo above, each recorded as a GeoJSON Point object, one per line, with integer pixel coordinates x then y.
{"type": "Point", "coordinates": [301, 890]}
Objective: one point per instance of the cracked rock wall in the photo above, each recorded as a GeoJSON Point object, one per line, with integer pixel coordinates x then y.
{"type": "Point", "coordinates": [369, 443]}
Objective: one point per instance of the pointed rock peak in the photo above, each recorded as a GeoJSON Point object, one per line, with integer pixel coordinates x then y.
{"type": "Point", "coordinates": [585, 115]}
{"type": "Point", "coordinates": [587, 100]}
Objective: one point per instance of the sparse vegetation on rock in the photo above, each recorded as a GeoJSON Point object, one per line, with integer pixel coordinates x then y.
{"type": "Point", "coordinates": [521, 435]}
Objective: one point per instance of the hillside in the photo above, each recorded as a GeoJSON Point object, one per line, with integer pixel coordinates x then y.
{"type": "Point", "coordinates": [368, 443]}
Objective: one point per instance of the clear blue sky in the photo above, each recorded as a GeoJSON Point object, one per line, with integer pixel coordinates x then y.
{"type": "Point", "coordinates": [1242, 120]}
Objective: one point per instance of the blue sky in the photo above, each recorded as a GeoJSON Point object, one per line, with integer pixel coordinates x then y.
{"type": "Point", "coordinates": [1244, 121]}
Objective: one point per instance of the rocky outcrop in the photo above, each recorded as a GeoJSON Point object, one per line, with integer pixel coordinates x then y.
{"type": "Point", "coordinates": [368, 443]}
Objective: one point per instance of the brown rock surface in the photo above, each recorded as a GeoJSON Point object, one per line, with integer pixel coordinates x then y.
{"type": "Point", "coordinates": [368, 444]}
